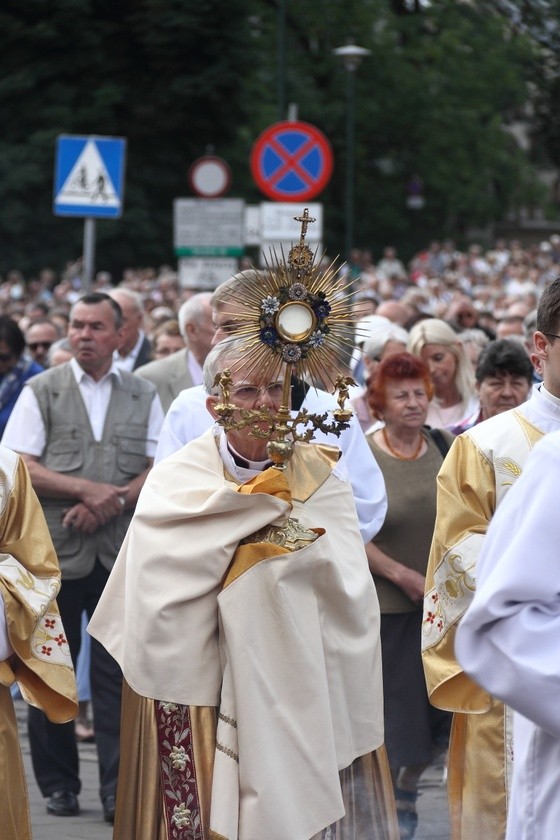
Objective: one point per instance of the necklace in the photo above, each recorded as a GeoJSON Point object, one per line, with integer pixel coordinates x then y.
{"type": "Point", "coordinates": [399, 455]}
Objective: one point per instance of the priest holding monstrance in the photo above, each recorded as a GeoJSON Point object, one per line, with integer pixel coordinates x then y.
{"type": "Point", "coordinates": [241, 607]}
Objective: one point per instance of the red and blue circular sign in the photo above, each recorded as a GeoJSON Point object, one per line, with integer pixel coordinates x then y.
{"type": "Point", "coordinates": [291, 161]}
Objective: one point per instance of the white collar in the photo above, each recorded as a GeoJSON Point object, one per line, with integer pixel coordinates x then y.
{"type": "Point", "coordinates": [241, 473]}
{"type": "Point", "coordinates": [80, 374]}
{"type": "Point", "coordinates": [135, 350]}
{"type": "Point", "coordinates": [547, 394]}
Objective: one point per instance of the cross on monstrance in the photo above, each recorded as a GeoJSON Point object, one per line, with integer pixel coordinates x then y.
{"type": "Point", "coordinates": [300, 257]}
{"type": "Point", "coordinates": [305, 221]}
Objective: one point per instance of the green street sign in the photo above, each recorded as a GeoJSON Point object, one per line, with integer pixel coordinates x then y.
{"type": "Point", "coordinates": [209, 251]}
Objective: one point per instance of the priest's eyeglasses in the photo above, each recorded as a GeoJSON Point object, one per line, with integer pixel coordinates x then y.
{"type": "Point", "coordinates": [552, 335]}
{"type": "Point", "coordinates": [249, 394]}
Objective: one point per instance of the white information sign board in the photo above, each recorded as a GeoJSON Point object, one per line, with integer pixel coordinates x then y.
{"type": "Point", "coordinates": [272, 225]}
{"type": "Point", "coordinates": [208, 227]}
{"type": "Point", "coordinates": [277, 221]}
{"type": "Point", "coordinates": [253, 224]}
{"type": "Point", "coordinates": [205, 273]}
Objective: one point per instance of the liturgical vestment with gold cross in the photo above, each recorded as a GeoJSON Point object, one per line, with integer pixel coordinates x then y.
{"type": "Point", "coordinates": [478, 471]}
{"type": "Point", "coordinates": [251, 656]}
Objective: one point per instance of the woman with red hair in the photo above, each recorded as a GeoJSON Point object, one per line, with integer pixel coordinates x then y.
{"type": "Point", "coordinates": [409, 455]}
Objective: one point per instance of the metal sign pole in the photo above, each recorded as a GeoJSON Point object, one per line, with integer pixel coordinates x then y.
{"type": "Point", "coordinates": [89, 254]}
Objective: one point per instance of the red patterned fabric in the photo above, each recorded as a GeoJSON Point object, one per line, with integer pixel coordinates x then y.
{"type": "Point", "coordinates": [178, 772]}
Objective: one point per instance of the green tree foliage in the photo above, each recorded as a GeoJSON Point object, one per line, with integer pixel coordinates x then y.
{"type": "Point", "coordinates": [540, 20]}
{"type": "Point", "coordinates": [173, 76]}
{"type": "Point", "coordinates": [165, 74]}
{"type": "Point", "coordinates": [433, 100]}
{"type": "Point", "coordinates": [454, 80]}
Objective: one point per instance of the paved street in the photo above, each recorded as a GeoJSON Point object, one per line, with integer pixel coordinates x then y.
{"type": "Point", "coordinates": [433, 820]}
{"type": "Point", "coordinates": [432, 803]}
{"type": "Point", "coordinates": [89, 825]}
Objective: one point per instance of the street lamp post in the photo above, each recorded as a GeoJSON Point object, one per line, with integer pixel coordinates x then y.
{"type": "Point", "coordinates": [351, 56]}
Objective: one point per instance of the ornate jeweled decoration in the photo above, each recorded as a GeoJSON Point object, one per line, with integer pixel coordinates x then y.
{"type": "Point", "coordinates": [295, 322]}
{"type": "Point", "coordinates": [291, 535]}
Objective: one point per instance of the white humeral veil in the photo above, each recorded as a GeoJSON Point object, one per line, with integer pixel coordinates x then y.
{"type": "Point", "coordinates": [289, 651]}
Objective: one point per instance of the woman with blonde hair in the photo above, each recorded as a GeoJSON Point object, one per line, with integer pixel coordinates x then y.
{"type": "Point", "coordinates": [438, 345]}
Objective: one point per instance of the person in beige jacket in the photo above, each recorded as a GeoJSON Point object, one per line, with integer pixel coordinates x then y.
{"type": "Point", "coordinates": [183, 369]}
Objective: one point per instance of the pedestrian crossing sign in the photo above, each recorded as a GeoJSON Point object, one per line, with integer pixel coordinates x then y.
{"type": "Point", "coordinates": [89, 176]}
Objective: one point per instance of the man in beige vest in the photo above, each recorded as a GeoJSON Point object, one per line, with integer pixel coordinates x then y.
{"type": "Point", "coordinates": [183, 369]}
{"type": "Point", "coordinates": [87, 432]}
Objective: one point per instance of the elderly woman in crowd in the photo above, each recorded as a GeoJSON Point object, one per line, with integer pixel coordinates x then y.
{"type": "Point", "coordinates": [504, 375]}
{"type": "Point", "coordinates": [437, 344]}
{"type": "Point", "coordinates": [384, 340]}
{"type": "Point", "coordinates": [409, 456]}
{"type": "Point", "coordinates": [15, 368]}
{"type": "Point", "coordinates": [474, 341]}
{"type": "Point", "coordinates": [59, 352]}
{"type": "Point", "coordinates": [167, 339]}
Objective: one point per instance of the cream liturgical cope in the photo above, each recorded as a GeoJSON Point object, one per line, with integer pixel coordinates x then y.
{"type": "Point", "coordinates": [510, 638]}
{"type": "Point", "coordinates": [480, 468]}
{"type": "Point", "coordinates": [284, 644]}
{"type": "Point", "coordinates": [40, 661]}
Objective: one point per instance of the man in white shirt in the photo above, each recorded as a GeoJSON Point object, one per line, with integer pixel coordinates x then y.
{"type": "Point", "coordinates": [135, 349]}
{"type": "Point", "coordinates": [87, 432]}
{"type": "Point", "coordinates": [188, 418]}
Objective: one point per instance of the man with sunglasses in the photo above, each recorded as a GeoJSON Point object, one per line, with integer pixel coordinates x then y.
{"type": "Point", "coordinates": [39, 338]}
{"type": "Point", "coordinates": [480, 468]}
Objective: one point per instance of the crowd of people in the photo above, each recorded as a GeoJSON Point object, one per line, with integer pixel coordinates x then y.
{"type": "Point", "coordinates": [107, 415]}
